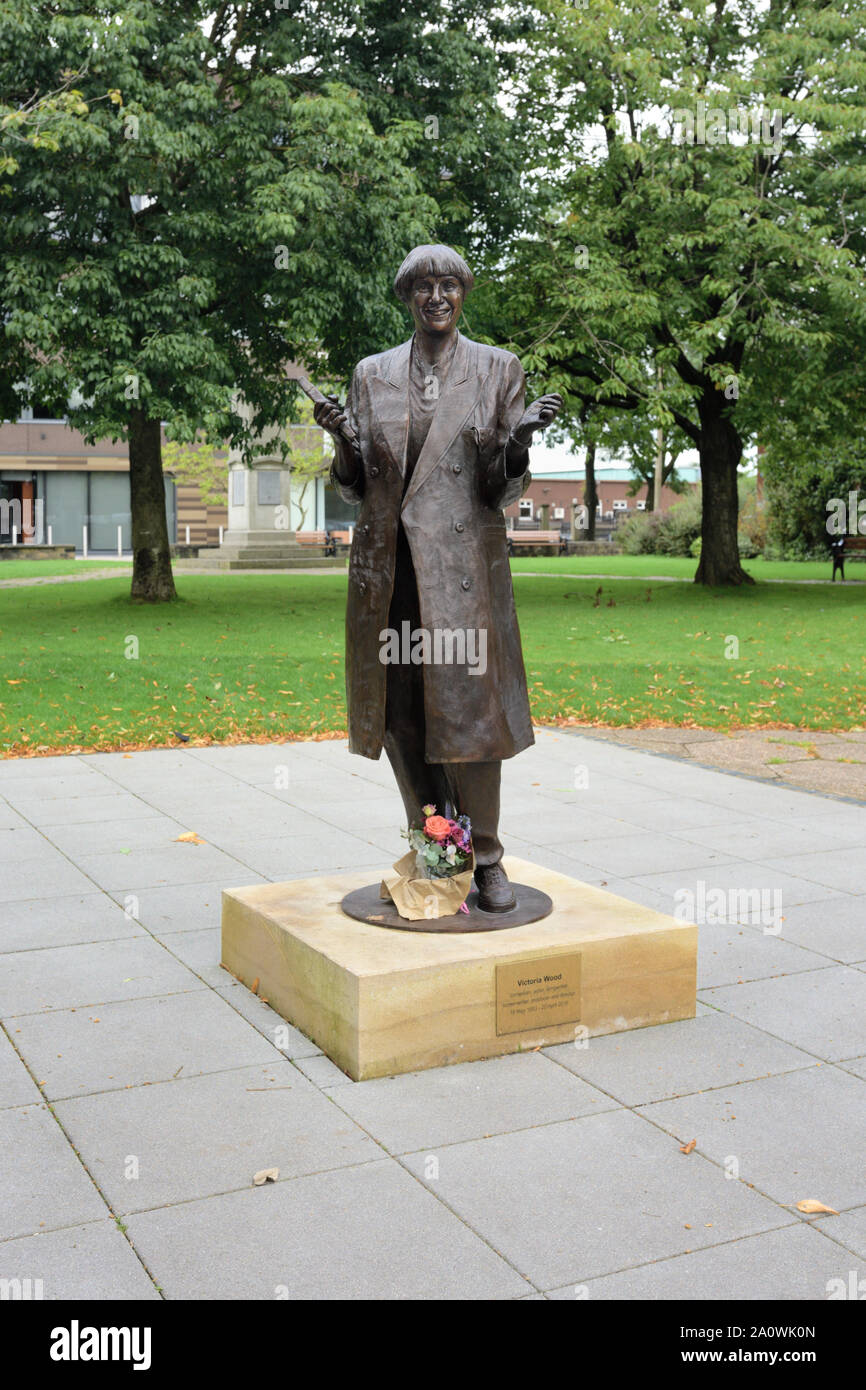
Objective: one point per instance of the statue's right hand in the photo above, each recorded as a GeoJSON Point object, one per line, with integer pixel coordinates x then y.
{"type": "Point", "coordinates": [331, 416]}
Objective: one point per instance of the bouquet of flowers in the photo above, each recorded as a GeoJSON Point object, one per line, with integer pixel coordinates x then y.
{"type": "Point", "coordinates": [434, 878]}
{"type": "Point", "coordinates": [443, 845]}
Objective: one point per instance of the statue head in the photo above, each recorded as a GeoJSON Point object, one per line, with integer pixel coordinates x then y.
{"type": "Point", "coordinates": [433, 282]}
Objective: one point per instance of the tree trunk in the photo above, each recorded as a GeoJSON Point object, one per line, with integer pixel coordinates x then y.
{"type": "Point", "coordinates": [651, 494]}
{"type": "Point", "coordinates": [590, 494]}
{"type": "Point", "coordinates": [720, 451]}
{"type": "Point", "coordinates": [152, 580]}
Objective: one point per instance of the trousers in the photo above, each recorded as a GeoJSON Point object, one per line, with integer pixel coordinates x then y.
{"type": "Point", "coordinates": [473, 789]}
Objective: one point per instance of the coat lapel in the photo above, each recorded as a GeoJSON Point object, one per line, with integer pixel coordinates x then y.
{"type": "Point", "coordinates": [462, 389]}
{"type": "Point", "coordinates": [390, 413]}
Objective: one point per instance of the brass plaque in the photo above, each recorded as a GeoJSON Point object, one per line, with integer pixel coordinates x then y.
{"type": "Point", "coordinates": [533, 994]}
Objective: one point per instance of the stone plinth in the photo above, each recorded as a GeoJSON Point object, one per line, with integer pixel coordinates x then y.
{"type": "Point", "coordinates": [380, 1001]}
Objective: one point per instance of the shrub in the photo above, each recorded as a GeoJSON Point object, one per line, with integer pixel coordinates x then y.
{"type": "Point", "coordinates": [639, 534]}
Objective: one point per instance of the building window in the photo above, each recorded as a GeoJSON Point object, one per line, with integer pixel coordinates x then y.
{"type": "Point", "coordinates": [641, 506]}
{"type": "Point", "coordinates": [620, 504]}
{"type": "Point", "coordinates": [559, 513]}
{"type": "Point", "coordinates": [526, 512]}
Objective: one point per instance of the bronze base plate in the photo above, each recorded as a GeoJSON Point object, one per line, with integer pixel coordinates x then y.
{"type": "Point", "coordinates": [365, 905]}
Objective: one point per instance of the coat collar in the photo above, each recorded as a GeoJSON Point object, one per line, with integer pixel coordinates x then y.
{"type": "Point", "coordinates": [462, 363]}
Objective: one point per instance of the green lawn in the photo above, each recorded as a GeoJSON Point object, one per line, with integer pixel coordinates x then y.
{"type": "Point", "coordinates": [261, 656]}
{"type": "Point", "coordinates": [52, 569]}
{"type": "Point", "coordinates": [673, 567]}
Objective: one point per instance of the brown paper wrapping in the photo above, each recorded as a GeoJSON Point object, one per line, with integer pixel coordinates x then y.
{"type": "Point", "coordinates": [417, 898]}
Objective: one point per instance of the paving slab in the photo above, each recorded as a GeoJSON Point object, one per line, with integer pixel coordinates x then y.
{"type": "Point", "coordinates": [740, 877]}
{"type": "Point", "coordinates": [560, 825]}
{"type": "Point", "coordinates": [676, 1059]}
{"type": "Point", "coordinates": [735, 952]}
{"type": "Point", "coordinates": [798, 1135]}
{"type": "Point", "coordinates": [361, 1234]}
{"type": "Point", "coordinates": [63, 921]}
{"type": "Point", "coordinates": [182, 907]}
{"type": "Point", "coordinates": [449, 1104]}
{"type": "Point", "coordinates": [45, 812]}
{"type": "Point", "coordinates": [836, 928]}
{"type": "Point", "coordinates": [17, 1086]}
{"type": "Point", "coordinates": [279, 859]}
{"type": "Point", "coordinates": [762, 839]}
{"type": "Point", "coordinates": [849, 1228]}
{"type": "Point", "coordinates": [209, 1134]}
{"type": "Point", "coordinates": [136, 1042]}
{"type": "Point", "coordinates": [28, 786]}
{"type": "Point", "coordinates": [184, 862]}
{"type": "Point", "coordinates": [643, 852]}
{"type": "Point", "coordinates": [566, 1202]}
{"type": "Point", "coordinates": [20, 842]}
{"type": "Point", "coordinates": [61, 977]}
{"type": "Point", "coordinates": [81, 1262]}
{"type": "Point", "coordinates": [42, 769]}
{"type": "Point", "coordinates": [114, 835]}
{"type": "Point", "coordinates": [46, 874]}
{"type": "Point", "coordinates": [843, 869]}
{"type": "Point", "coordinates": [795, 1263]}
{"type": "Point", "coordinates": [44, 1185]}
{"type": "Point", "coordinates": [821, 1011]}
{"type": "Point", "coordinates": [10, 818]}
{"type": "Point", "coordinates": [201, 952]}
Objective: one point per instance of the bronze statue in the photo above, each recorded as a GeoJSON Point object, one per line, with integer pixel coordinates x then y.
{"type": "Point", "coordinates": [434, 442]}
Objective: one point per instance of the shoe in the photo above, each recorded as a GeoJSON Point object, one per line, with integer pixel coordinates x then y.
{"type": "Point", "coordinates": [495, 893]}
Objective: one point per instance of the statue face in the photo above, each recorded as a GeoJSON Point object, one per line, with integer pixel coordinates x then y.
{"type": "Point", "coordinates": [436, 303]}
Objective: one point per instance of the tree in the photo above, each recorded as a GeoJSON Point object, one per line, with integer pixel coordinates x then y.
{"type": "Point", "coordinates": [705, 207]}
{"type": "Point", "coordinates": [226, 216]}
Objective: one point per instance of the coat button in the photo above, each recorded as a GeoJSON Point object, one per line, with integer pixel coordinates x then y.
{"type": "Point", "coordinates": [374, 472]}
{"type": "Point", "coordinates": [458, 526]}
{"type": "Point", "coordinates": [465, 584]}
{"type": "Point", "coordinates": [457, 468]}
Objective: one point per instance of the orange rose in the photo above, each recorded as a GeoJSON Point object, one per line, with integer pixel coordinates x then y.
{"type": "Point", "coordinates": [437, 827]}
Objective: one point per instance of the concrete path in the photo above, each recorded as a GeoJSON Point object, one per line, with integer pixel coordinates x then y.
{"type": "Point", "coordinates": [141, 1088]}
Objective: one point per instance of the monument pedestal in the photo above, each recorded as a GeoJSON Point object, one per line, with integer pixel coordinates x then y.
{"type": "Point", "coordinates": [380, 1001]}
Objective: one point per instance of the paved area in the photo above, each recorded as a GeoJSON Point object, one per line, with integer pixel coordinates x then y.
{"type": "Point", "coordinates": [811, 758]}
{"type": "Point", "coordinates": [141, 1088]}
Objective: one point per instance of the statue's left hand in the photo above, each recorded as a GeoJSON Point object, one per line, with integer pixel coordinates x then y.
{"type": "Point", "coordinates": [538, 416]}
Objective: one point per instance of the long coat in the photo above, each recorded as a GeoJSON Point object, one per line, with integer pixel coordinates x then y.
{"type": "Point", "coordinates": [452, 517]}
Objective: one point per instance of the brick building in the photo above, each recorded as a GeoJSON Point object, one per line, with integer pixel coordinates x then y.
{"type": "Point", "coordinates": [560, 491]}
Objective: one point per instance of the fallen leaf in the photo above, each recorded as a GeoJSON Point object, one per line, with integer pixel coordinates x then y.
{"type": "Point", "coordinates": [265, 1175]}
{"type": "Point", "coordinates": [687, 1148]}
{"type": "Point", "coordinates": [813, 1208]}
{"type": "Point", "coordinates": [190, 838]}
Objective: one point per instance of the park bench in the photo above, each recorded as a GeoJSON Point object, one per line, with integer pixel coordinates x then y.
{"type": "Point", "coordinates": [844, 548]}
{"type": "Point", "coordinates": [322, 538]}
{"type": "Point", "coordinates": [536, 538]}
{"type": "Point", "coordinates": [341, 539]}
